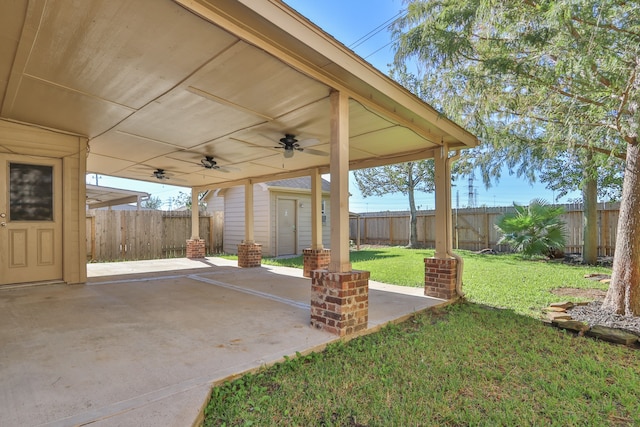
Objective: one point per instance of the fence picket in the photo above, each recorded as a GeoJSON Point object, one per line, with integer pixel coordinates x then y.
{"type": "Point", "coordinates": [130, 235]}
{"type": "Point", "coordinates": [474, 228]}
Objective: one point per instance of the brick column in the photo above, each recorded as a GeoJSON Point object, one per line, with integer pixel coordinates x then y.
{"type": "Point", "coordinates": [440, 278]}
{"type": "Point", "coordinates": [340, 301]}
{"type": "Point", "coordinates": [249, 255]}
{"type": "Point", "coordinates": [195, 248]}
{"type": "Point", "coordinates": [315, 259]}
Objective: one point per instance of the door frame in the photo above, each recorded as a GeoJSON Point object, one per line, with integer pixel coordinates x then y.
{"type": "Point", "coordinates": [296, 242]}
{"type": "Point", "coordinates": [30, 274]}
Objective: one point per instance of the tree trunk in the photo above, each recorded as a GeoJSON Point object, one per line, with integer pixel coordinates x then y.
{"type": "Point", "coordinates": [623, 296]}
{"type": "Point", "coordinates": [413, 221]}
{"type": "Point", "coordinates": [590, 217]}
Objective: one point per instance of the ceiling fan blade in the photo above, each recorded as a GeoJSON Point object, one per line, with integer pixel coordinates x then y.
{"type": "Point", "coordinates": [228, 169]}
{"type": "Point", "coordinates": [314, 152]}
{"type": "Point", "coordinates": [309, 141]}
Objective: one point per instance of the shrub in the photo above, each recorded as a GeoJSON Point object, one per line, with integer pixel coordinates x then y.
{"type": "Point", "coordinates": [534, 230]}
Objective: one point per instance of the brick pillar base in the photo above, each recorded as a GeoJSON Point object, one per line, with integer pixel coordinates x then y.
{"type": "Point", "coordinates": [340, 301]}
{"type": "Point", "coordinates": [195, 248]}
{"type": "Point", "coordinates": [249, 255]}
{"type": "Point", "coordinates": [440, 278]}
{"type": "Point", "coordinates": [315, 259]}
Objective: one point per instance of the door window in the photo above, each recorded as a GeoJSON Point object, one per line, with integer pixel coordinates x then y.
{"type": "Point", "coordinates": [30, 192]}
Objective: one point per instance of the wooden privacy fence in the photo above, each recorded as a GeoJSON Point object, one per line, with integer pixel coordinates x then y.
{"type": "Point", "coordinates": [473, 228]}
{"type": "Point", "coordinates": [144, 234]}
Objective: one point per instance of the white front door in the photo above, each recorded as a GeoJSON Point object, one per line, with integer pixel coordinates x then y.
{"type": "Point", "coordinates": [287, 227]}
{"type": "Point", "coordinates": [30, 219]}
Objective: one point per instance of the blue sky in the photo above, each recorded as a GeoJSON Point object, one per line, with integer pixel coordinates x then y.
{"type": "Point", "coordinates": [349, 21]}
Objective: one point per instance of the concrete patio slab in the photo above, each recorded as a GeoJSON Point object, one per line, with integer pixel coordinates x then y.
{"type": "Point", "coordinates": [141, 343]}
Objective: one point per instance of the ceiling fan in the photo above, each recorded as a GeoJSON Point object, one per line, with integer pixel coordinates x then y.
{"type": "Point", "coordinates": [290, 144]}
{"type": "Point", "coordinates": [209, 163]}
{"type": "Point", "coordinates": [160, 174]}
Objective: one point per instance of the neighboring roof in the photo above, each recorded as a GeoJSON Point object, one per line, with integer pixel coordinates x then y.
{"type": "Point", "coordinates": [302, 183]}
{"type": "Point", "coordinates": [99, 196]}
{"type": "Point", "coordinates": [159, 84]}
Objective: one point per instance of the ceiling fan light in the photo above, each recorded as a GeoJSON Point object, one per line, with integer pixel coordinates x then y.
{"type": "Point", "coordinates": [208, 162]}
{"type": "Point", "coordinates": [288, 153]}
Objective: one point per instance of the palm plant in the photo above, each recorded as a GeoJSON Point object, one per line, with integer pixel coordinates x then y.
{"type": "Point", "coordinates": [533, 230]}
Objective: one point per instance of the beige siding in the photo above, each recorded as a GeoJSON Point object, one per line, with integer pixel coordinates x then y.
{"type": "Point", "coordinates": [265, 217]}
{"type": "Point", "coordinates": [326, 226]}
{"type": "Point", "coordinates": [303, 203]}
{"type": "Point", "coordinates": [234, 218]}
{"type": "Point", "coordinates": [215, 201]}
{"type": "Point", "coordinates": [74, 267]}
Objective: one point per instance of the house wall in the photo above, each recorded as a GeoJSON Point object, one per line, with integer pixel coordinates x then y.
{"type": "Point", "coordinates": [215, 201]}
{"type": "Point", "coordinates": [303, 203]}
{"type": "Point", "coordinates": [234, 218]}
{"type": "Point", "coordinates": [231, 202]}
{"type": "Point", "coordinates": [32, 141]}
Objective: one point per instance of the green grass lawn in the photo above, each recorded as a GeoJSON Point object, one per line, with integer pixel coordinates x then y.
{"type": "Point", "coordinates": [505, 281]}
{"type": "Point", "coordinates": [466, 364]}
{"type": "Point", "coordinates": [459, 366]}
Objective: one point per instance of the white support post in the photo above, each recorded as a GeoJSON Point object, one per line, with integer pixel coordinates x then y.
{"type": "Point", "coordinates": [339, 170]}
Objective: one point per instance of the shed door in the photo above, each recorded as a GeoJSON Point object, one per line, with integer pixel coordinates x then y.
{"type": "Point", "coordinates": [286, 227]}
{"type": "Point", "coordinates": [30, 219]}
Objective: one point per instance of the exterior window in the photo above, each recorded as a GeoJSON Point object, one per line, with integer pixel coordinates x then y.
{"type": "Point", "coordinates": [30, 192]}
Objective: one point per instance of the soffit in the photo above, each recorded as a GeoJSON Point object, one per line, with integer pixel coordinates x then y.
{"type": "Point", "coordinates": [153, 85]}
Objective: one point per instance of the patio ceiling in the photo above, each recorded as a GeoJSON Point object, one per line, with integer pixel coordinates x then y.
{"type": "Point", "coordinates": [159, 84]}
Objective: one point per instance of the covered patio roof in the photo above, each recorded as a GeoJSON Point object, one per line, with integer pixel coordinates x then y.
{"type": "Point", "coordinates": [99, 196]}
{"type": "Point", "coordinates": [160, 84]}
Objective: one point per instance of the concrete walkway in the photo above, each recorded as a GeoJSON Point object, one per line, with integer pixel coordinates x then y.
{"type": "Point", "coordinates": [142, 342]}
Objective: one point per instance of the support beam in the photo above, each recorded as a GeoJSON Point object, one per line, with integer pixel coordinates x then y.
{"type": "Point", "coordinates": [195, 215]}
{"type": "Point", "coordinates": [249, 252]}
{"type": "Point", "coordinates": [196, 247]}
{"type": "Point", "coordinates": [316, 210]}
{"type": "Point", "coordinates": [443, 235]}
{"type": "Point", "coordinates": [315, 257]}
{"type": "Point", "coordinates": [443, 272]}
{"type": "Point", "coordinates": [248, 213]}
{"type": "Point", "coordinates": [339, 169]}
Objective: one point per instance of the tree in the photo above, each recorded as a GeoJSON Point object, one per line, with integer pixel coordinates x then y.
{"type": "Point", "coordinates": [583, 170]}
{"type": "Point", "coordinates": [404, 178]}
{"type": "Point", "coordinates": [537, 78]}
{"type": "Point", "coordinates": [152, 203]}
{"type": "Point", "coordinates": [533, 230]}
{"type": "Point", "coordinates": [184, 199]}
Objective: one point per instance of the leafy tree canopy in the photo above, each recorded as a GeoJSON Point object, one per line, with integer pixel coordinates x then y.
{"type": "Point", "coordinates": [404, 178]}
{"type": "Point", "coordinates": [399, 178]}
{"type": "Point", "coordinates": [531, 79]}
{"type": "Point", "coordinates": [535, 79]}
{"type": "Point", "coordinates": [152, 203]}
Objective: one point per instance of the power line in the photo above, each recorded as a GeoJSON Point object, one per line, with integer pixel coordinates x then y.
{"type": "Point", "coordinates": [376, 30]}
